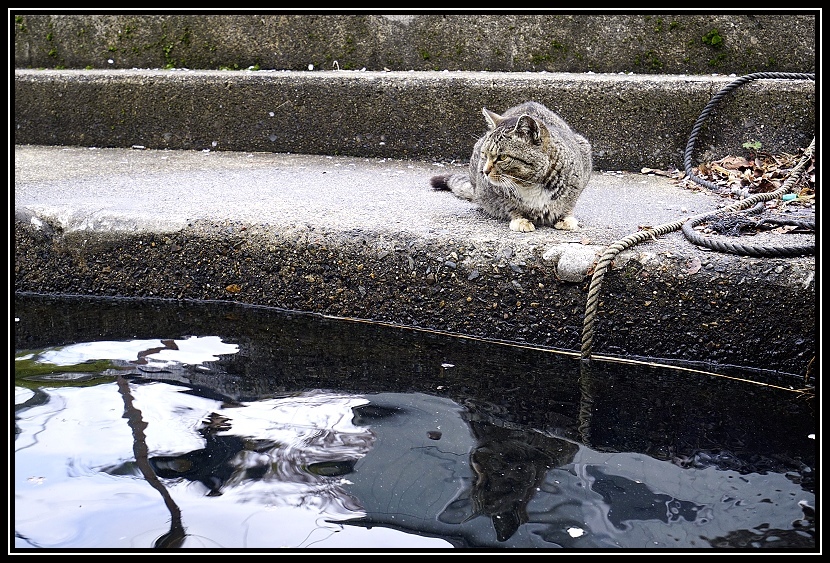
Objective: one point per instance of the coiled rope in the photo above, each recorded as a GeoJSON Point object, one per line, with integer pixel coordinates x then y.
{"type": "Point", "coordinates": [735, 248]}
{"type": "Point", "coordinates": [690, 145]}
{"type": "Point", "coordinates": [652, 233]}
{"type": "Point", "coordinates": [750, 250]}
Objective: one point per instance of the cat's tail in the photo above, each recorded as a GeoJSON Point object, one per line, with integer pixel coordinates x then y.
{"type": "Point", "coordinates": [458, 184]}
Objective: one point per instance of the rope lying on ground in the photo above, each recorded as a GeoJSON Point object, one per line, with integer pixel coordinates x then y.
{"type": "Point", "coordinates": [638, 237]}
{"type": "Point", "coordinates": [688, 225]}
{"type": "Point", "coordinates": [690, 145]}
{"type": "Point", "coordinates": [749, 250]}
{"type": "Point", "coordinates": [744, 250]}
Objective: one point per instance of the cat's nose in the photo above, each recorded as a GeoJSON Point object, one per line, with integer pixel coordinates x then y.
{"type": "Point", "coordinates": [488, 166]}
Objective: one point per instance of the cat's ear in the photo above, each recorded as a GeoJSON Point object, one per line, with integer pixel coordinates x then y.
{"type": "Point", "coordinates": [528, 129]}
{"type": "Point", "coordinates": [493, 119]}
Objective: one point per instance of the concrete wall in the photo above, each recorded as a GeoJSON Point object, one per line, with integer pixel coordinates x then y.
{"type": "Point", "coordinates": [681, 43]}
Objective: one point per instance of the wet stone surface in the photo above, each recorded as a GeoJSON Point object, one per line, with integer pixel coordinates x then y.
{"type": "Point", "coordinates": [647, 307]}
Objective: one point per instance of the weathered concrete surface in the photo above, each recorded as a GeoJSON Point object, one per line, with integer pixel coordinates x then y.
{"type": "Point", "coordinates": [632, 121]}
{"type": "Point", "coordinates": [725, 42]}
{"type": "Point", "coordinates": [364, 236]}
{"type": "Point", "coordinates": [368, 238]}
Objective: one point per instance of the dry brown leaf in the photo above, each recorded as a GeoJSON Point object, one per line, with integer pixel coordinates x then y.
{"type": "Point", "coordinates": [693, 266]}
{"type": "Point", "coordinates": [734, 162]}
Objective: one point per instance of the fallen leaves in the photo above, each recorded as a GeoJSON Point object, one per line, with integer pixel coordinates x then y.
{"type": "Point", "coordinates": [758, 172]}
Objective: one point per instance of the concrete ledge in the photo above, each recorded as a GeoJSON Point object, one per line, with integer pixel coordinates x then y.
{"type": "Point", "coordinates": [632, 121]}
{"type": "Point", "coordinates": [682, 43]}
{"type": "Point", "coordinates": [368, 238]}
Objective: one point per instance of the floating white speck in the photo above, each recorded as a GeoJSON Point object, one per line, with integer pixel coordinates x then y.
{"type": "Point", "coordinates": [310, 67]}
{"type": "Point", "coordinates": [447, 365]}
{"type": "Point", "coordinates": [811, 436]}
{"type": "Point", "coordinates": [575, 532]}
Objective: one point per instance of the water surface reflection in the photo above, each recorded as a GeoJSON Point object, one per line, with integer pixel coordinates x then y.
{"type": "Point", "coordinates": [180, 425]}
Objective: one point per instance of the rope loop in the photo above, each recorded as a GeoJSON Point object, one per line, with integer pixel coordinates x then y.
{"type": "Point", "coordinates": [688, 225]}
{"type": "Point", "coordinates": [690, 145]}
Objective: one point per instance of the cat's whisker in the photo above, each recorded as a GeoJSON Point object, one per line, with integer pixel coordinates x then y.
{"type": "Point", "coordinates": [513, 183]}
{"type": "Point", "coordinates": [514, 180]}
{"type": "Point", "coordinates": [510, 185]}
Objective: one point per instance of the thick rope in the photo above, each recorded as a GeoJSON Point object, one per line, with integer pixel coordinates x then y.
{"type": "Point", "coordinates": [690, 145]}
{"type": "Point", "coordinates": [750, 250]}
{"type": "Point", "coordinates": [599, 273]}
{"type": "Point", "coordinates": [635, 238]}
{"type": "Point", "coordinates": [586, 403]}
{"type": "Point", "coordinates": [759, 251]}
{"type": "Point", "coordinates": [638, 237]}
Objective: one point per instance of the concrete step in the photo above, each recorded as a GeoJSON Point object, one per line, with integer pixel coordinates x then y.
{"type": "Point", "coordinates": [303, 181]}
{"type": "Point", "coordinates": [724, 42]}
{"type": "Point", "coordinates": [412, 85]}
{"type": "Point", "coordinates": [369, 239]}
{"type": "Point", "coordinates": [632, 121]}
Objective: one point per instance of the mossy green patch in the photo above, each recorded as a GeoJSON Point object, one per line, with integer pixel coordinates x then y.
{"type": "Point", "coordinates": [648, 59]}
{"type": "Point", "coordinates": [718, 59]}
{"type": "Point", "coordinates": [556, 51]}
{"type": "Point", "coordinates": [713, 39]}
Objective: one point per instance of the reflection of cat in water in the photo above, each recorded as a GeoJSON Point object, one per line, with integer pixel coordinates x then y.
{"type": "Point", "coordinates": [508, 467]}
{"type": "Point", "coordinates": [216, 464]}
{"type": "Point", "coordinates": [212, 466]}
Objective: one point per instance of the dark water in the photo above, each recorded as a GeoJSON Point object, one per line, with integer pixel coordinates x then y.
{"type": "Point", "coordinates": [154, 424]}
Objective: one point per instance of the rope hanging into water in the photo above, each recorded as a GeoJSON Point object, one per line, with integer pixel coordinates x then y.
{"type": "Point", "coordinates": [652, 233]}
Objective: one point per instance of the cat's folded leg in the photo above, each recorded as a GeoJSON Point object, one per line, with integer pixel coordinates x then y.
{"type": "Point", "coordinates": [569, 223]}
{"type": "Point", "coordinates": [521, 225]}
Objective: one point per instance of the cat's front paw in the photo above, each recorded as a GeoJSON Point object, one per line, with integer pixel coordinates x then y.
{"type": "Point", "coordinates": [569, 223]}
{"type": "Point", "coordinates": [522, 225]}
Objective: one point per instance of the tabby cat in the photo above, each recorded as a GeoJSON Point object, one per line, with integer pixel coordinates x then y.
{"type": "Point", "coordinates": [529, 168]}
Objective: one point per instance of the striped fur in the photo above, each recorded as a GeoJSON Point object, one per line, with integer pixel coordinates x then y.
{"type": "Point", "coordinates": [529, 168]}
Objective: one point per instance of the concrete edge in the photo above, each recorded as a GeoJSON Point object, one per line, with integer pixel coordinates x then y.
{"type": "Point", "coordinates": [421, 115]}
